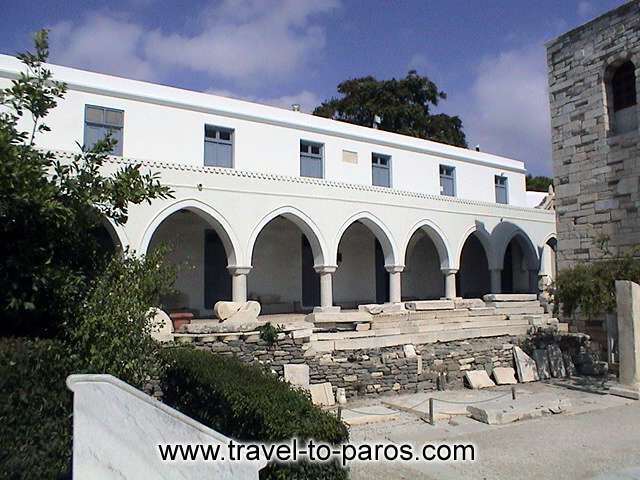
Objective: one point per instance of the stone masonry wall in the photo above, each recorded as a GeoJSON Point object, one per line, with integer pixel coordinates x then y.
{"type": "Point", "coordinates": [596, 171]}
{"type": "Point", "coordinates": [380, 370]}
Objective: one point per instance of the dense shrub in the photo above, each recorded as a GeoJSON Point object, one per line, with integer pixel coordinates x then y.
{"type": "Point", "coordinates": [249, 403]}
{"type": "Point", "coordinates": [35, 409]}
{"type": "Point", "coordinates": [590, 287]}
{"type": "Point", "coordinates": [112, 331]}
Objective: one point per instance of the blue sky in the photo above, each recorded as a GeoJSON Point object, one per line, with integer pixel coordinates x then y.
{"type": "Point", "coordinates": [487, 55]}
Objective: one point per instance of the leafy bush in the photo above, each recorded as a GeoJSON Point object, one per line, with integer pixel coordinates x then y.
{"type": "Point", "coordinates": [35, 408]}
{"type": "Point", "coordinates": [112, 331]}
{"type": "Point", "coordinates": [52, 210]}
{"type": "Point", "coordinates": [590, 287]}
{"type": "Point", "coordinates": [249, 403]}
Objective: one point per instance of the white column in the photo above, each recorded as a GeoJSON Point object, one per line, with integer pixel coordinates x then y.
{"type": "Point", "coordinates": [449, 282]}
{"type": "Point", "coordinates": [395, 282]}
{"type": "Point", "coordinates": [238, 282]}
{"type": "Point", "coordinates": [496, 280]}
{"type": "Point", "coordinates": [326, 289]}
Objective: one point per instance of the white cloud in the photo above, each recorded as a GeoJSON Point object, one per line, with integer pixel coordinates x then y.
{"type": "Point", "coordinates": [507, 109]}
{"type": "Point", "coordinates": [239, 40]}
{"type": "Point", "coordinates": [101, 43]}
{"type": "Point", "coordinates": [306, 99]}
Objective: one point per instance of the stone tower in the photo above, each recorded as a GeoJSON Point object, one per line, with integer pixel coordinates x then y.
{"type": "Point", "coordinates": [594, 77]}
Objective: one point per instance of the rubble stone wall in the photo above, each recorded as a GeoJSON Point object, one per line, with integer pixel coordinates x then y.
{"type": "Point", "coordinates": [379, 370]}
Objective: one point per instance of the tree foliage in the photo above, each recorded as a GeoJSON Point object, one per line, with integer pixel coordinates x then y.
{"type": "Point", "coordinates": [590, 288]}
{"type": "Point", "coordinates": [539, 183]}
{"type": "Point", "coordinates": [403, 105]}
{"type": "Point", "coordinates": [50, 210]}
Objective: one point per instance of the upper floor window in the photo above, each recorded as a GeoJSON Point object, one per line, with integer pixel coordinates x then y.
{"type": "Point", "coordinates": [447, 181]}
{"type": "Point", "coordinates": [98, 122]}
{"type": "Point", "coordinates": [218, 146]}
{"type": "Point", "coordinates": [502, 194]}
{"type": "Point", "coordinates": [311, 164]}
{"type": "Point", "coordinates": [623, 98]}
{"type": "Point", "coordinates": [380, 170]}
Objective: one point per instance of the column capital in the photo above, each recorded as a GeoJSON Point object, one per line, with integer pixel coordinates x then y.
{"type": "Point", "coordinates": [325, 268]}
{"type": "Point", "coordinates": [239, 269]}
{"type": "Point", "coordinates": [394, 268]}
{"type": "Point", "coordinates": [449, 271]}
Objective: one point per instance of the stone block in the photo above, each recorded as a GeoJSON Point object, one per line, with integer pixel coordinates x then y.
{"type": "Point", "coordinates": [556, 361]}
{"type": "Point", "coordinates": [525, 366]}
{"type": "Point", "coordinates": [518, 410]}
{"type": "Point", "coordinates": [569, 366]}
{"type": "Point", "coordinates": [322, 394]}
{"type": "Point", "coordinates": [425, 305]}
{"type": "Point", "coordinates": [297, 374]}
{"type": "Point", "coordinates": [409, 351]}
{"type": "Point", "coordinates": [224, 310]}
{"type": "Point", "coordinates": [376, 309]}
{"type": "Point", "coordinates": [541, 358]}
{"type": "Point", "coordinates": [162, 326]}
{"type": "Point", "coordinates": [468, 303]}
{"type": "Point", "coordinates": [514, 305]}
{"type": "Point", "coordinates": [477, 379]}
{"type": "Point", "coordinates": [363, 327]}
{"type": "Point", "coordinates": [504, 376]}
{"type": "Point", "coordinates": [510, 297]}
{"type": "Point", "coordinates": [341, 396]}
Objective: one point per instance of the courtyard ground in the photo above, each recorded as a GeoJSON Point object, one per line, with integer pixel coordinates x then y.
{"type": "Point", "coordinates": [598, 438]}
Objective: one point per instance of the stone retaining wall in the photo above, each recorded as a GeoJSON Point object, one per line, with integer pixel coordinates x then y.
{"type": "Point", "coordinates": [379, 370]}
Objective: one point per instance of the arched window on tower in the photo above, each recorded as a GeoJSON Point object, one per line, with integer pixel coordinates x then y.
{"type": "Point", "coordinates": [623, 98]}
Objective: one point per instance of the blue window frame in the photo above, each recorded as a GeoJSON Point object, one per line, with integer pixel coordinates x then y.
{"type": "Point", "coordinates": [218, 146]}
{"type": "Point", "coordinates": [447, 181]}
{"type": "Point", "coordinates": [380, 170]}
{"type": "Point", "coordinates": [100, 121]}
{"type": "Point", "coordinates": [502, 189]}
{"type": "Point", "coordinates": [311, 159]}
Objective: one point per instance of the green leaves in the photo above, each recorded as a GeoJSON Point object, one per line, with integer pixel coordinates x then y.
{"type": "Point", "coordinates": [52, 212]}
{"type": "Point", "coordinates": [248, 402]}
{"type": "Point", "coordinates": [403, 105]}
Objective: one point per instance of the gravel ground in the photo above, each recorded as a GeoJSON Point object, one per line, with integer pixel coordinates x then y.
{"type": "Point", "coordinates": [600, 437]}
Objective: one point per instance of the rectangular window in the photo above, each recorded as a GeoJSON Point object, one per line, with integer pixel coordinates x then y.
{"type": "Point", "coordinates": [447, 181]}
{"type": "Point", "coordinates": [311, 161]}
{"type": "Point", "coordinates": [218, 146]}
{"type": "Point", "coordinates": [100, 121]}
{"type": "Point", "coordinates": [380, 170]}
{"type": "Point", "coordinates": [502, 194]}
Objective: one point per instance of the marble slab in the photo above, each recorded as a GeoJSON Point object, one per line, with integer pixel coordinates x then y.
{"type": "Point", "coordinates": [541, 358]}
{"type": "Point", "coordinates": [117, 430]}
{"type": "Point", "coordinates": [478, 379]}
{"type": "Point", "coordinates": [556, 361]}
{"type": "Point", "coordinates": [297, 374]}
{"type": "Point", "coordinates": [504, 376]}
{"type": "Point", "coordinates": [525, 366]}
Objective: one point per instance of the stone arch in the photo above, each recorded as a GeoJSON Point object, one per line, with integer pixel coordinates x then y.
{"type": "Point", "coordinates": [503, 234]}
{"type": "Point", "coordinates": [379, 230]}
{"type": "Point", "coordinates": [303, 222]}
{"type": "Point", "coordinates": [438, 238]}
{"type": "Point", "coordinates": [621, 109]}
{"type": "Point", "coordinates": [214, 218]}
{"type": "Point", "coordinates": [484, 237]}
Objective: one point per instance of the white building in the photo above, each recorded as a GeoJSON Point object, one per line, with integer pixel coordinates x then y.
{"type": "Point", "coordinates": [299, 211]}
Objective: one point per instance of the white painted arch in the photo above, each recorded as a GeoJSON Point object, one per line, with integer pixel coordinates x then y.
{"type": "Point", "coordinates": [303, 222]}
{"type": "Point", "coordinates": [503, 234]}
{"type": "Point", "coordinates": [437, 236]}
{"type": "Point", "coordinates": [485, 239]}
{"type": "Point", "coordinates": [214, 218]}
{"type": "Point", "coordinates": [379, 230]}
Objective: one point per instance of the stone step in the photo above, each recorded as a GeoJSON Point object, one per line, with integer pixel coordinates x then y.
{"type": "Point", "coordinates": [510, 297]}
{"type": "Point", "coordinates": [337, 317]}
{"type": "Point", "coordinates": [416, 338]}
{"type": "Point", "coordinates": [421, 305]}
{"type": "Point", "coordinates": [499, 305]}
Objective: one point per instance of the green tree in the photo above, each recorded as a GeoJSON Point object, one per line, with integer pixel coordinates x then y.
{"type": "Point", "coordinates": [49, 209]}
{"type": "Point", "coordinates": [539, 183]}
{"type": "Point", "coordinates": [404, 106]}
